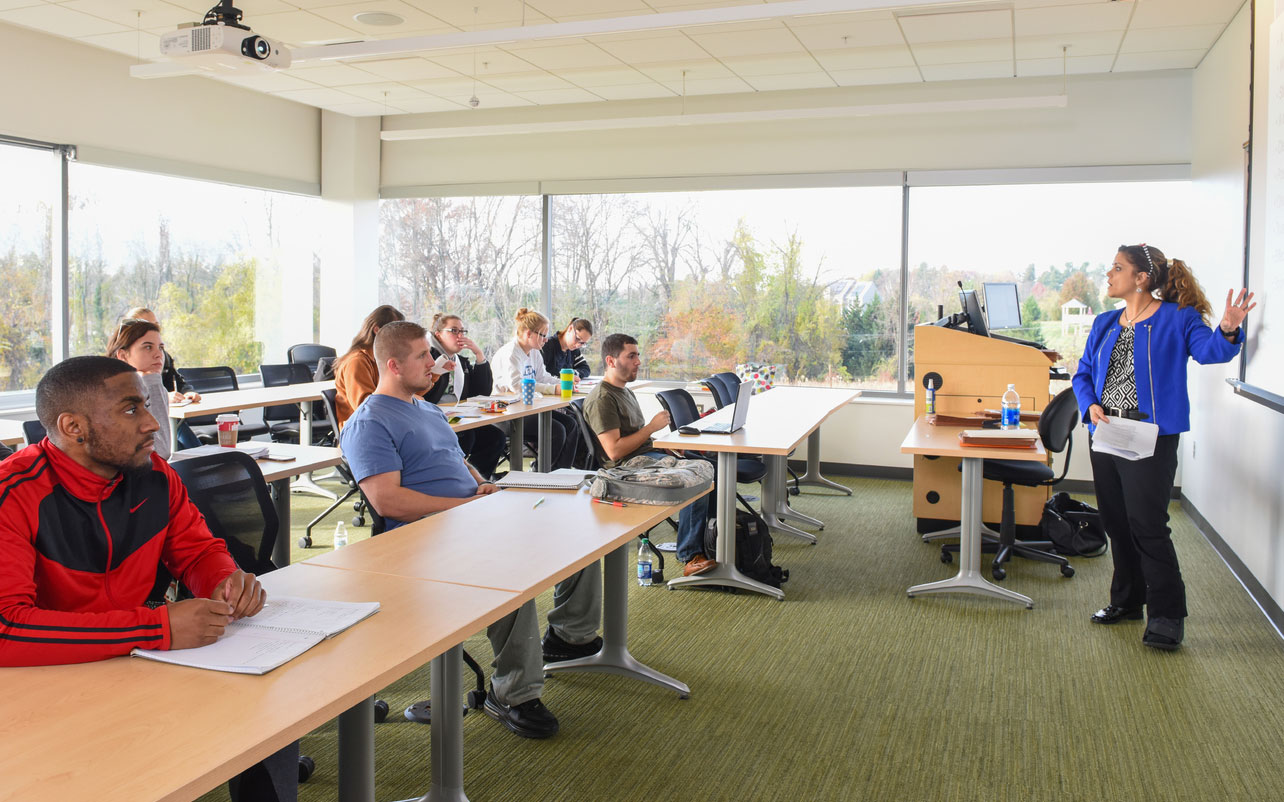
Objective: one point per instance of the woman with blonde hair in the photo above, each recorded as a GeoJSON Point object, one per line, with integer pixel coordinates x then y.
{"type": "Point", "coordinates": [1134, 367]}
{"type": "Point", "coordinates": [510, 362]}
{"type": "Point", "coordinates": [138, 343]}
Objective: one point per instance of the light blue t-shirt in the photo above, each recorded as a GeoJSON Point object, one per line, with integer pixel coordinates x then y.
{"type": "Point", "coordinates": [387, 434]}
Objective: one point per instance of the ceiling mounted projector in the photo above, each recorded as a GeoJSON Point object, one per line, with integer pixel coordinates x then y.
{"type": "Point", "coordinates": [221, 35]}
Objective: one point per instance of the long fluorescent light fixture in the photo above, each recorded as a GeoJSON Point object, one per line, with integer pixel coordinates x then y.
{"type": "Point", "coordinates": [599, 27]}
{"type": "Point", "coordinates": [725, 117]}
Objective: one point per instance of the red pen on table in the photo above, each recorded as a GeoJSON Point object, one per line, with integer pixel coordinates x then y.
{"type": "Point", "coordinates": [612, 503]}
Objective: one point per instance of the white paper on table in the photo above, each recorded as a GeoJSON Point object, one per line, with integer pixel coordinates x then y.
{"type": "Point", "coordinates": [1127, 438]}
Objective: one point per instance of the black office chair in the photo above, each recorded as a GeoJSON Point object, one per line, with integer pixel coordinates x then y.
{"type": "Point", "coordinates": [1056, 429]}
{"type": "Point", "coordinates": [309, 354]}
{"type": "Point", "coordinates": [283, 419]}
{"type": "Point", "coordinates": [591, 456]}
{"type": "Point", "coordinates": [34, 431]}
{"type": "Point", "coordinates": [345, 473]}
{"type": "Point", "coordinates": [725, 387]}
{"type": "Point", "coordinates": [325, 369]}
{"type": "Point", "coordinates": [216, 379]}
{"type": "Point", "coordinates": [716, 388]}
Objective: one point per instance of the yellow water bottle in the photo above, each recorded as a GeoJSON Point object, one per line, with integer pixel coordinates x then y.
{"type": "Point", "coordinates": [568, 383]}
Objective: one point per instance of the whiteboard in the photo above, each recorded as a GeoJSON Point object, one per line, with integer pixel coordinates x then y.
{"type": "Point", "coordinates": [1264, 364]}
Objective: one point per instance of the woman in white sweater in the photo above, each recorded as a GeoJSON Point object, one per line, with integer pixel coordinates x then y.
{"type": "Point", "coordinates": [138, 342]}
{"type": "Point", "coordinates": [507, 367]}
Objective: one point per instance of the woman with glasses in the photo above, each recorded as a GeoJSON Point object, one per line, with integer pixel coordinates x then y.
{"type": "Point", "coordinates": [138, 343]}
{"type": "Point", "coordinates": [566, 349]}
{"type": "Point", "coordinates": [485, 445]}
{"type": "Point", "coordinates": [508, 364]}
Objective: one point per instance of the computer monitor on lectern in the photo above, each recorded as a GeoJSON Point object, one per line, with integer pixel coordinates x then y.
{"type": "Point", "coordinates": [1002, 307]}
{"type": "Point", "coordinates": [972, 311]}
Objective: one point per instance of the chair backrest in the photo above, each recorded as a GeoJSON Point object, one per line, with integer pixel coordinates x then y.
{"type": "Point", "coordinates": [34, 431]}
{"type": "Point", "coordinates": [1057, 423]}
{"type": "Point", "coordinates": [680, 406]}
{"type": "Point", "coordinates": [216, 379]}
{"type": "Point", "coordinates": [229, 490]}
{"type": "Point", "coordinates": [309, 354]}
{"type": "Point", "coordinates": [325, 369]}
{"type": "Point", "coordinates": [280, 376]}
{"type": "Point", "coordinates": [728, 378]}
{"type": "Point", "coordinates": [721, 395]}
{"type": "Point", "coordinates": [592, 457]}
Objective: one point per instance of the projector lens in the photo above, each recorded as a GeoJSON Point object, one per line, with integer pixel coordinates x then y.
{"type": "Point", "coordinates": [256, 47]}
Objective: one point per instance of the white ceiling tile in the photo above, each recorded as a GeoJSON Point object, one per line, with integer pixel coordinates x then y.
{"type": "Point", "coordinates": [695, 71]}
{"type": "Point", "coordinates": [1081, 44]}
{"type": "Point", "coordinates": [863, 58]}
{"type": "Point", "coordinates": [963, 52]}
{"type": "Point", "coordinates": [6, 5]}
{"type": "Point", "coordinates": [299, 28]}
{"type": "Point", "coordinates": [554, 97]}
{"type": "Point", "coordinates": [256, 8]}
{"type": "Point", "coordinates": [528, 82]}
{"type": "Point", "coordinates": [633, 91]}
{"type": "Point", "coordinates": [155, 13]}
{"type": "Point", "coordinates": [390, 92]}
{"type": "Point", "coordinates": [771, 65]}
{"type": "Point", "coordinates": [405, 69]}
{"type": "Point", "coordinates": [60, 21]}
{"type": "Point", "coordinates": [1185, 12]}
{"type": "Point", "coordinates": [361, 109]}
{"type": "Point", "coordinates": [566, 56]}
{"type": "Point", "coordinates": [488, 15]}
{"type": "Point", "coordinates": [845, 18]}
{"type": "Point", "coordinates": [488, 60]}
{"type": "Point", "coordinates": [489, 97]}
{"type": "Point", "coordinates": [737, 27]}
{"type": "Point", "coordinates": [1061, 20]}
{"type": "Point", "coordinates": [275, 81]}
{"type": "Point", "coordinates": [332, 73]}
{"type": "Point", "coordinates": [1154, 40]}
{"type": "Point", "coordinates": [448, 87]}
{"type": "Point", "coordinates": [132, 43]}
{"type": "Point", "coordinates": [1084, 65]}
{"type": "Point", "coordinates": [615, 76]}
{"type": "Point", "coordinates": [957, 26]}
{"type": "Point", "coordinates": [1175, 60]}
{"type": "Point", "coordinates": [803, 80]}
{"type": "Point", "coordinates": [747, 43]}
{"type": "Point", "coordinates": [667, 47]}
{"type": "Point", "coordinates": [318, 96]}
{"type": "Point", "coordinates": [427, 103]}
{"type": "Point", "coordinates": [565, 10]}
{"type": "Point", "coordinates": [871, 33]}
{"type": "Point", "coordinates": [961, 72]}
{"type": "Point", "coordinates": [709, 86]}
{"type": "Point", "coordinates": [891, 75]}
{"type": "Point", "coordinates": [417, 23]}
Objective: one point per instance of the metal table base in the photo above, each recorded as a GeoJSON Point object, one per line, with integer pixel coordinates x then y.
{"type": "Point", "coordinates": [812, 475]}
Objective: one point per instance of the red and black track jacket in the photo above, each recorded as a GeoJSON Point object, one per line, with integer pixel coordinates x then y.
{"type": "Point", "coordinates": [79, 555]}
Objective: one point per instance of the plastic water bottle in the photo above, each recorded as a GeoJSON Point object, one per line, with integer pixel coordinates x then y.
{"type": "Point", "coordinates": [646, 563]}
{"type": "Point", "coordinates": [929, 406]}
{"type": "Point", "coordinates": [340, 535]}
{"type": "Point", "coordinates": [528, 385]}
{"type": "Point", "coordinates": [1011, 418]}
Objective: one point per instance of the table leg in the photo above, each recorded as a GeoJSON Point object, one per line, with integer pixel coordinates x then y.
{"type": "Point", "coordinates": [773, 506]}
{"type": "Point", "coordinates": [726, 573]}
{"type": "Point", "coordinates": [305, 483]}
{"type": "Point", "coordinates": [356, 753]}
{"type": "Point", "coordinates": [812, 475]}
{"type": "Point", "coordinates": [987, 534]}
{"type": "Point", "coordinates": [281, 501]}
{"type": "Point", "coordinates": [969, 579]}
{"type": "Point", "coordinates": [544, 441]}
{"type": "Point", "coordinates": [516, 442]}
{"type": "Point", "coordinates": [614, 657]}
{"type": "Point", "coordinates": [447, 734]}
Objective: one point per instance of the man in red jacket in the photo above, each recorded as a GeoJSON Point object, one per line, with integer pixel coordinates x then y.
{"type": "Point", "coordinates": [86, 517]}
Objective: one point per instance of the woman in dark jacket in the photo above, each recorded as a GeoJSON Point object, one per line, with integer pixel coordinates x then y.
{"type": "Point", "coordinates": [565, 350]}
{"type": "Point", "coordinates": [1134, 366]}
{"type": "Point", "coordinates": [483, 446]}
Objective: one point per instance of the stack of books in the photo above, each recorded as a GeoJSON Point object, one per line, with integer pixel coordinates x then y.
{"type": "Point", "coordinates": [999, 438]}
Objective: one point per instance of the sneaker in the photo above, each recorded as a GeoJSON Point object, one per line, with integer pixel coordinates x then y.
{"type": "Point", "coordinates": [556, 650]}
{"type": "Point", "coordinates": [699, 564]}
{"type": "Point", "coordinates": [1164, 633]}
{"type": "Point", "coordinates": [528, 719]}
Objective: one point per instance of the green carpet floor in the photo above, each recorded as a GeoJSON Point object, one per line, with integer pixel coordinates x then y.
{"type": "Point", "coordinates": [848, 690]}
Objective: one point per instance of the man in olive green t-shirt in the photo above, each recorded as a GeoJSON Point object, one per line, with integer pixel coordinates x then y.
{"type": "Point", "coordinates": [613, 413]}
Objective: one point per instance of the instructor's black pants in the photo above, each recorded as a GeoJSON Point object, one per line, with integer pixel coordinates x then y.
{"type": "Point", "coordinates": [1133, 498]}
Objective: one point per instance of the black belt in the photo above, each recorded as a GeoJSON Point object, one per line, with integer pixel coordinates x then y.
{"type": "Point", "coordinates": [1130, 414]}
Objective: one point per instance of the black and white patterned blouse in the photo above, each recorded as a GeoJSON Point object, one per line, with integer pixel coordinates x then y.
{"type": "Point", "coordinates": [1120, 390]}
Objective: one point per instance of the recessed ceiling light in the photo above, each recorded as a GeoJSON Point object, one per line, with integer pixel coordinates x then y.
{"type": "Point", "coordinates": [380, 18]}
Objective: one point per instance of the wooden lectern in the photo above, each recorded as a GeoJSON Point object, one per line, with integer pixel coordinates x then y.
{"type": "Point", "coordinates": [972, 373]}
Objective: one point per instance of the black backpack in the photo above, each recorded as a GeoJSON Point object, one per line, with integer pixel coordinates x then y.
{"type": "Point", "coordinates": [753, 547]}
{"type": "Point", "coordinates": [1073, 528]}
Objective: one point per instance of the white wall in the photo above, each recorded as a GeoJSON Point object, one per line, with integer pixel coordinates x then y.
{"type": "Point", "coordinates": [60, 91]}
{"type": "Point", "coordinates": [1100, 126]}
{"type": "Point", "coordinates": [1234, 454]}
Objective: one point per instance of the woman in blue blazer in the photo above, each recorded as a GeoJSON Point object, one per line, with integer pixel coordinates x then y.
{"type": "Point", "coordinates": [1134, 366]}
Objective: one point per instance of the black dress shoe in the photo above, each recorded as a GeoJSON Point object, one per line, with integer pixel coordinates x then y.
{"type": "Point", "coordinates": [1110, 614]}
{"type": "Point", "coordinates": [1164, 633]}
{"type": "Point", "coordinates": [528, 719]}
{"type": "Point", "coordinates": [556, 650]}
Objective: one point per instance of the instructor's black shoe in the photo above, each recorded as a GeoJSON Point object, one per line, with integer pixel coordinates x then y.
{"type": "Point", "coordinates": [556, 650]}
{"type": "Point", "coordinates": [1111, 614]}
{"type": "Point", "coordinates": [1164, 633]}
{"type": "Point", "coordinates": [528, 719]}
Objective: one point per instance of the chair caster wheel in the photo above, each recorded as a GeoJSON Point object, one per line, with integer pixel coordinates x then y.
{"type": "Point", "coordinates": [946, 557]}
{"type": "Point", "coordinates": [359, 520]}
{"type": "Point", "coordinates": [380, 711]}
{"type": "Point", "coordinates": [305, 542]}
{"type": "Point", "coordinates": [1067, 571]}
{"type": "Point", "coordinates": [793, 491]}
{"type": "Point", "coordinates": [306, 766]}
{"type": "Point", "coordinates": [999, 574]}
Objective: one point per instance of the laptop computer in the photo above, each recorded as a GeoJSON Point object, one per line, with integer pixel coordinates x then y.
{"type": "Point", "coordinates": [737, 417]}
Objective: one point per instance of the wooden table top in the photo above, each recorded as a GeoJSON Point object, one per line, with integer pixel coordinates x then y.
{"type": "Point", "coordinates": [514, 411]}
{"type": "Point", "coordinates": [475, 545]}
{"type": "Point", "coordinates": [251, 398]}
{"type": "Point", "coordinates": [778, 421]}
{"type": "Point", "coordinates": [306, 459]}
{"type": "Point", "coordinates": [11, 432]}
{"type": "Point", "coordinates": [943, 441]}
{"type": "Point", "coordinates": [128, 729]}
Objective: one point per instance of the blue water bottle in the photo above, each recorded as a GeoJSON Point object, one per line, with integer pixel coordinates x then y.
{"type": "Point", "coordinates": [1011, 416]}
{"type": "Point", "coordinates": [528, 385]}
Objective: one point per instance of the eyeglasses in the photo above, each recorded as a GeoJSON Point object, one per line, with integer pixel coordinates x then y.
{"type": "Point", "coordinates": [456, 332]}
{"type": "Point", "coordinates": [580, 342]}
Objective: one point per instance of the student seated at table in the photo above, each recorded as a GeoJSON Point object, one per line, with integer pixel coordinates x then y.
{"type": "Point", "coordinates": [509, 363]}
{"type": "Point", "coordinates": [565, 350]}
{"type": "Point", "coordinates": [138, 344]}
{"type": "Point", "coordinates": [408, 463]}
{"type": "Point", "coordinates": [178, 388]}
{"type": "Point", "coordinates": [612, 411]}
{"type": "Point", "coordinates": [483, 446]}
{"type": "Point", "coordinates": [86, 518]}
{"type": "Point", "coordinates": [355, 374]}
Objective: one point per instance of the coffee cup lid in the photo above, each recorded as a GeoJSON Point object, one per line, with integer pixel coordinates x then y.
{"type": "Point", "coordinates": [226, 417]}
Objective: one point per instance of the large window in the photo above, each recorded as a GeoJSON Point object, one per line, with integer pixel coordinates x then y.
{"type": "Point", "coordinates": [223, 267]}
{"type": "Point", "coordinates": [30, 195]}
{"type": "Point", "coordinates": [478, 258]}
{"type": "Point", "coordinates": [804, 279]}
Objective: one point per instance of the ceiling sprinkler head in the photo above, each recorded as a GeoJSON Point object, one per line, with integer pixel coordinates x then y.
{"type": "Point", "coordinates": [474, 101]}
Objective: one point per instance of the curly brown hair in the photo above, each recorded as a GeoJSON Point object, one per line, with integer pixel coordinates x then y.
{"type": "Point", "coordinates": [1170, 279]}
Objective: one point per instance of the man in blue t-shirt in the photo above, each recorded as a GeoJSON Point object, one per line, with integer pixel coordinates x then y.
{"type": "Point", "coordinates": [407, 461]}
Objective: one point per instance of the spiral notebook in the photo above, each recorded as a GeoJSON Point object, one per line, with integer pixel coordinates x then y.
{"type": "Point", "coordinates": [563, 479]}
{"type": "Point", "coordinates": [285, 628]}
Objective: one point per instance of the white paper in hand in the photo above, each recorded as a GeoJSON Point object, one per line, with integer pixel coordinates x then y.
{"type": "Point", "coordinates": [437, 367]}
{"type": "Point", "coordinates": [1123, 437]}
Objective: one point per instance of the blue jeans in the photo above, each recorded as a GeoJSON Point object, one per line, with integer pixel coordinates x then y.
{"type": "Point", "coordinates": [691, 522]}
